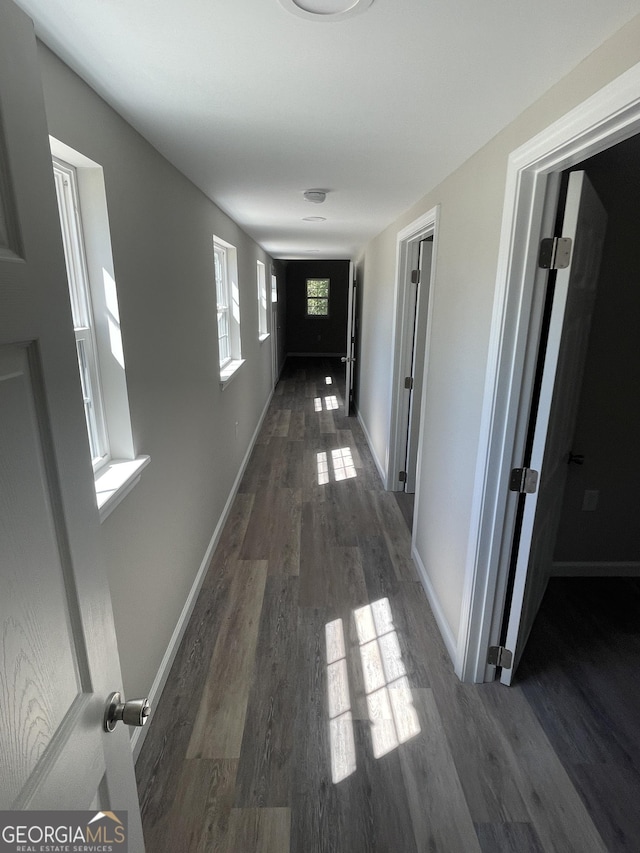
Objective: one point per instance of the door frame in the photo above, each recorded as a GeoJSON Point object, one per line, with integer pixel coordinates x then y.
{"type": "Point", "coordinates": [610, 116]}
{"type": "Point", "coordinates": [407, 241]}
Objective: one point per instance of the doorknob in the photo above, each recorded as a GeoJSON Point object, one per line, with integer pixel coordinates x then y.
{"type": "Point", "coordinates": [133, 713]}
{"type": "Point", "coordinates": [346, 358]}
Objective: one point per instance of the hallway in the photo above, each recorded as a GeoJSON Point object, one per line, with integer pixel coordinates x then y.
{"type": "Point", "coordinates": [312, 706]}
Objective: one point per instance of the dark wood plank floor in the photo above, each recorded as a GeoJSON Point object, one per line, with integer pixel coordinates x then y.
{"type": "Point", "coordinates": [581, 674]}
{"type": "Point", "coordinates": [312, 706]}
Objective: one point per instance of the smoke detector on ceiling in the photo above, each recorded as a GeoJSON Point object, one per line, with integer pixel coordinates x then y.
{"type": "Point", "coordinates": [326, 10]}
{"type": "Point", "coordinates": [315, 196]}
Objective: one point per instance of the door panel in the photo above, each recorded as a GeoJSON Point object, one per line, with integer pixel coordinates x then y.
{"type": "Point", "coordinates": [40, 678]}
{"type": "Point", "coordinates": [351, 342]}
{"type": "Point", "coordinates": [417, 362]}
{"type": "Point", "coordinates": [58, 654]}
{"type": "Point", "coordinates": [585, 222]}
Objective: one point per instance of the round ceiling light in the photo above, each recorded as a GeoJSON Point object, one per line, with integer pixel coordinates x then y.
{"type": "Point", "coordinates": [314, 218]}
{"type": "Point", "coordinates": [326, 10]}
{"type": "Point", "coordinates": [315, 196]}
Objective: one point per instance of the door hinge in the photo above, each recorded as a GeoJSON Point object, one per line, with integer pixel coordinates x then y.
{"type": "Point", "coordinates": [402, 476]}
{"type": "Point", "coordinates": [415, 276]}
{"type": "Point", "coordinates": [523, 480]}
{"type": "Point", "coordinates": [499, 656]}
{"type": "Point", "coordinates": [408, 383]}
{"type": "Point", "coordinates": [555, 253]}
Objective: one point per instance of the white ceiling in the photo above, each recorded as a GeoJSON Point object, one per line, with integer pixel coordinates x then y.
{"type": "Point", "coordinates": [256, 105]}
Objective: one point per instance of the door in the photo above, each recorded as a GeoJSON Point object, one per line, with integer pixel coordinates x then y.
{"type": "Point", "coordinates": [585, 223]}
{"type": "Point", "coordinates": [58, 655]}
{"type": "Point", "coordinates": [350, 357]}
{"type": "Point", "coordinates": [418, 349]}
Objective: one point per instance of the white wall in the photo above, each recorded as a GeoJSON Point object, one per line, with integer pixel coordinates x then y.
{"type": "Point", "coordinates": [471, 201]}
{"type": "Point", "coordinates": [161, 230]}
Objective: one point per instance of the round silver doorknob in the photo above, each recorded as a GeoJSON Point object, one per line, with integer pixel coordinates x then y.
{"type": "Point", "coordinates": [133, 713]}
{"type": "Point", "coordinates": [343, 359]}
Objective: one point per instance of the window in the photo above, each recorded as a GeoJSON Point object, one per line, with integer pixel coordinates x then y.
{"type": "Point", "coordinates": [84, 222]}
{"type": "Point", "coordinates": [263, 331]}
{"type": "Point", "coordinates": [274, 288]}
{"type": "Point", "coordinates": [228, 307]}
{"type": "Point", "coordinates": [317, 297]}
{"type": "Point", "coordinates": [83, 324]}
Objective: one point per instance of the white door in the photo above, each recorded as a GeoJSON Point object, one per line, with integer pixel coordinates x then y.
{"type": "Point", "coordinates": [585, 223]}
{"type": "Point", "coordinates": [418, 352]}
{"type": "Point", "coordinates": [350, 357]}
{"type": "Point", "coordinates": [58, 655]}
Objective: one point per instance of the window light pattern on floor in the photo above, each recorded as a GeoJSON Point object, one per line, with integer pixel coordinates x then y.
{"type": "Point", "coordinates": [389, 701]}
{"type": "Point", "coordinates": [330, 403]}
{"type": "Point", "coordinates": [341, 739]}
{"type": "Point", "coordinates": [342, 465]}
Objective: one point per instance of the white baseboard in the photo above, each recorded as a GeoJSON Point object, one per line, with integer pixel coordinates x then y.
{"type": "Point", "coordinates": [602, 569]}
{"type": "Point", "coordinates": [450, 641]}
{"type": "Point", "coordinates": [381, 471]}
{"type": "Point", "coordinates": [162, 675]}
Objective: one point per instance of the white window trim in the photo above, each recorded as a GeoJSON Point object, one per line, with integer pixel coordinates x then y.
{"type": "Point", "coordinates": [121, 467]}
{"type": "Point", "coordinates": [229, 289]}
{"type": "Point", "coordinates": [263, 318]}
{"type": "Point", "coordinates": [66, 182]}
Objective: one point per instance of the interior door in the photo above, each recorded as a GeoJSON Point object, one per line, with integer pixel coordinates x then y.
{"type": "Point", "coordinates": [350, 357]}
{"type": "Point", "coordinates": [417, 362]}
{"type": "Point", "coordinates": [58, 654]}
{"type": "Point", "coordinates": [585, 223]}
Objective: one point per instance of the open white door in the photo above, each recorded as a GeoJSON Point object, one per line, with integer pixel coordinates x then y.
{"type": "Point", "coordinates": [350, 357]}
{"type": "Point", "coordinates": [58, 653]}
{"type": "Point", "coordinates": [585, 223]}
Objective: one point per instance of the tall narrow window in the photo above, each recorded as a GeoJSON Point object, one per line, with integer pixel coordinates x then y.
{"type": "Point", "coordinates": [261, 275]}
{"type": "Point", "coordinates": [317, 297]}
{"type": "Point", "coordinates": [228, 307]}
{"type": "Point", "coordinates": [83, 323]}
{"type": "Point", "coordinates": [224, 300]}
{"type": "Point", "coordinates": [274, 288]}
{"type": "Point", "coordinates": [84, 223]}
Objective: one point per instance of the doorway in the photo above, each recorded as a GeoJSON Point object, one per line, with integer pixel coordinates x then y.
{"type": "Point", "coordinates": [594, 531]}
{"type": "Point", "coordinates": [610, 116]}
{"type": "Point", "coordinates": [414, 286]}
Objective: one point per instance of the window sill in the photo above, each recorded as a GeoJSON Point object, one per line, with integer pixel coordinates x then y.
{"type": "Point", "coordinates": [228, 372]}
{"type": "Point", "coordinates": [263, 338]}
{"type": "Point", "coordinates": [115, 481]}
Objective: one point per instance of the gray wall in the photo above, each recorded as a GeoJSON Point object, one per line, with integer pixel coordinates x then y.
{"type": "Point", "coordinates": [161, 231]}
{"type": "Point", "coordinates": [608, 424]}
{"type": "Point", "coordinates": [471, 204]}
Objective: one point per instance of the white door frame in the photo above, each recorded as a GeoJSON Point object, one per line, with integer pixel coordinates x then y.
{"type": "Point", "coordinates": [603, 120]}
{"type": "Point", "coordinates": [425, 226]}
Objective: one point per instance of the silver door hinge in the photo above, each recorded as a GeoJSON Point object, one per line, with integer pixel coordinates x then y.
{"type": "Point", "coordinates": [499, 656]}
{"type": "Point", "coordinates": [523, 480]}
{"type": "Point", "coordinates": [408, 382]}
{"type": "Point", "coordinates": [402, 476]}
{"type": "Point", "coordinates": [415, 276]}
{"type": "Point", "coordinates": [555, 253]}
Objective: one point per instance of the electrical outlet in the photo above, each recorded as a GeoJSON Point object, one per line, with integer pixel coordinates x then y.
{"type": "Point", "coordinates": [590, 500]}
